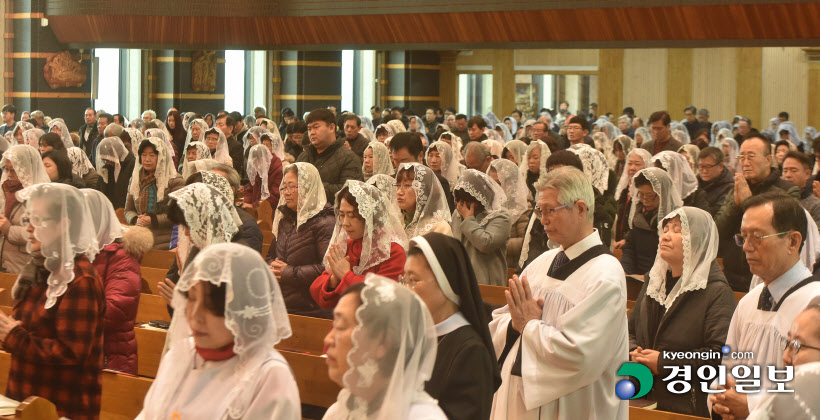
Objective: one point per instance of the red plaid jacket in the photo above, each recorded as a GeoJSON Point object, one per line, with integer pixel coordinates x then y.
{"type": "Point", "coordinates": [57, 353]}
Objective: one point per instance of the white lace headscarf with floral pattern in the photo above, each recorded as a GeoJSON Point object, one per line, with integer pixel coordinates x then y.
{"type": "Point", "coordinates": [700, 246]}
{"type": "Point", "coordinates": [103, 217]}
{"type": "Point", "coordinates": [454, 142]}
{"type": "Point", "coordinates": [211, 217]}
{"type": "Point", "coordinates": [486, 191]}
{"type": "Point", "coordinates": [542, 166]}
{"type": "Point", "coordinates": [164, 172]}
{"type": "Point", "coordinates": [277, 146]}
{"type": "Point", "coordinates": [514, 186]}
{"type": "Point", "coordinates": [202, 126]}
{"type": "Point", "coordinates": [381, 160]}
{"type": "Point", "coordinates": [259, 159]}
{"type": "Point", "coordinates": [80, 164]}
{"type": "Point", "coordinates": [644, 134]}
{"type": "Point", "coordinates": [595, 165]}
{"type": "Point", "coordinates": [202, 152]}
{"type": "Point", "coordinates": [394, 318]}
{"type": "Point", "coordinates": [110, 149]}
{"type": "Point", "coordinates": [164, 136]}
{"type": "Point", "coordinates": [431, 201]}
{"type": "Point", "coordinates": [65, 135]}
{"type": "Point", "coordinates": [219, 182]}
{"type": "Point", "coordinates": [311, 195]}
{"type": "Point", "coordinates": [28, 165]}
{"type": "Point", "coordinates": [32, 136]}
{"type": "Point", "coordinates": [382, 227]}
{"type": "Point", "coordinates": [221, 154]}
{"type": "Point", "coordinates": [626, 181]}
{"type": "Point", "coordinates": [255, 314]}
{"type": "Point", "coordinates": [136, 138]}
{"type": "Point", "coordinates": [22, 127]}
{"type": "Point", "coordinates": [663, 186]}
{"type": "Point", "coordinates": [398, 126]}
{"type": "Point", "coordinates": [679, 170]}
{"type": "Point", "coordinates": [253, 137]}
{"type": "Point", "coordinates": [451, 169]}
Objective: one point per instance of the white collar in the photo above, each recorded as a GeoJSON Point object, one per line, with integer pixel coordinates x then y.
{"type": "Point", "coordinates": [454, 322]}
{"type": "Point", "coordinates": [787, 280]}
{"type": "Point", "coordinates": [583, 245]}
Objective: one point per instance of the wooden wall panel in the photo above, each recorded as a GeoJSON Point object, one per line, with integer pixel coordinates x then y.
{"type": "Point", "coordinates": [448, 80]}
{"type": "Point", "coordinates": [678, 81]}
{"type": "Point", "coordinates": [503, 81]}
{"type": "Point", "coordinates": [814, 94]}
{"type": "Point", "coordinates": [785, 85]}
{"type": "Point", "coordinates": [556, 57]}
{"type": "Point", "coordinates": [645, 80]}
{"type": "Point", "coordinates": [749, 84]}
{"type": "Point", "coordinates": [610, 81]}
{"type": "Point", "coordinates": [714, 71]}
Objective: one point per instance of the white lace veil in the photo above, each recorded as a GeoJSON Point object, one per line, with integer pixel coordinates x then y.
{"type": "Point", "coordinates": [794, 138]}
{"type": "Point", "coordinates": [136, 139]}
{"type": "Point", "coordinates": [254, 313]}
{"type": "Point", "coordinates": [494, 136]}
{"type": "Point", "coordinates": [681, 134]}
{"type": "Point", "coordinates": [542, 167]}
{"type": "Point", "coordinates": [202, 152]}
{"type": "Point", "coordinates": [451, 169]}
{"type": "Point", "coordinates": [481, 187]}
{"type": "Point", "coordinates": [65, 230]}
{"type": "Point", "coordinates": [514, 186]}
{"type": "Point", "coordinates": [398, 126]}
{"type": "Point", "coordinates": [507, 135]}
{"type": "Point", "coordinates": [626, 181]}
{"type": "Point", "coordinates": [734, 149]}
{"type": "Point", "coordinates": [221, 154]}
{"type": "Point", "coordinates": [626, 142]}
{"type": "Point", "coordinates": [162, 135]}
{"type": "Point", "coordinates": [103, 217]}
{"type": "Point", "coordinates": [387, 129]}
{"type": "Point", "coordinates": [495, 147]}
{"type": "Point", "coordinates": [254, 133]}
{"type": "Point", "coordinates": [32, 136]}
{"type": "Point", "coordinates": [595, 165]}
{"type": "Point", "coordinates": [679, 170]}
{"type": "Point", "coordinates": [211, 217]}
{"type": "Point", "coordinates": [518, 148]}
{"type": "Point", "coordinates": [716, 127]}
{"type": "Point", "coordinates": [700, 247]}
{"type": "Point", "coordinates": [513, 125]}
{"type": "Point", "coordinates": [692, 153]}
{"type": "Point", "coordinates": [663, 186]}
{"type": "Point", "coordinates": [27, 164]}
{"type": "Point", "coordinates": [219, 182]}
{"type": "Point", "coordinates": [203, 127]}
{"type": "Point", "coordinates": [367, 134]}
{"type": "Point", "coordinates": [382, 227]}
{"type": "Point", "coordinates": [80, 164]}
{"type": "Point", "coordinates": [202, 165]}
{"type": "Point", "coordinates": [384, 183]}
{"type": "Point", "coordinates": [311, 200]}
{"type": "Point", "coordinates": [645, 135]}
{"type": "Point", "coordinates": [392, 317]}
{"type": "Point", "coordinates": [381, 159]}
{"type": "Point", "coordinates": [276, 143]}
{"type": "Point", "coordinates": [65, 135]}
{"type": "Point", "coordinates": [164, 172]}
{"type": "Point", "coordinates": [22, 127]}
{"type": "Point", "coordinates": [422, 128]}
{"type": "Point", "coordinates": [112, 149]}
{"type": "Point", "coordinates": [454, 143]}
{"type": "Point", "coordinates": [431, 201]}
{"type": "Point", "coordinates": [367, 122]}
{"type": "Point", "coordinates": [259, 159]}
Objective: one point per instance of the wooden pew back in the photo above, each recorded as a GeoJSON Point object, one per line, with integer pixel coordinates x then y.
{"type": "Point", "coordinates": [122, 395]}
{"type": "Point", "coordinates": [308, 335]}
{"type": "Point", "coordinates": [158, 259]}
{"type": "Point", "coordinates": [494, 295]}
{"type": "Point", "coordinates": [315, 387]}
{"type": "Point", "coordinates": [152, 308]}
{"type": "Point", "coordinates": [152, 276]}
{"type": "Point", "coordinates": [150, 344]}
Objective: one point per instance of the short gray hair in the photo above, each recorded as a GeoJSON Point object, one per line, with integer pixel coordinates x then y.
{"type": "Point", "coordinates": [483, 151]}
{"type": "Point", "coordinates": [625, 117]}
{"type": "Point", "coordinates": [151, 113]}
{"type": "Point", "coordinates": [230, 174]}
{"type": "Point", "coordinates": [113, 130]}
{"type": "Point", "coordinates": [572, 185]}
{"type": "Point", "coordinates": [37, 114]}
{"type": "Point", "coordinates": [703, 111]}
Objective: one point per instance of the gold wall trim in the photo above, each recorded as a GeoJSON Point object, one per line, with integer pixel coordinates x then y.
{"type": "Point", "coordinates": [181, 60]}
{"type": "Point", "coordinates": [25, 15]}
{"type": "Point", "coordinates": [412, 66]}
{"type": "Point", "coordinates": [37, 55]}
{"type": "Point", "coordinates": [49, 95]}
{"type": "Point", "coordinates": [411, 98]}
{"type": "Point", "coordinates": [308, 97]}
{"type": "Point", "coordinates": [307, 63]}
{"type": "Point", "coordinates": [187, 96]}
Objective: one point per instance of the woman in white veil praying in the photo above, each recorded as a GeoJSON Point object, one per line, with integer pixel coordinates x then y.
{"type": "Point", "coordinates": [82, 167]}
{"type": "Point", "coordinates": [514, 151]}
{"type": "Point", "coordinates": [533, 166]}
{"type": "Point", "coordinates": [508, 176]}
{"type": "Point", "coordinates": [455, 143]}
{"type": "Point", "coordinates": [228, 315]}
{"type": "Point", "coordinates": [422, 201]}
{"type": "Point", "coordinates": [376, 160]}
{"type": "Point", "coordinates": [495, 147]}
{"type": "Point", "coordinates": [194, 151]}
{"type": "Point", "coordinates": [787, 131]}
{"type": "Point", "coordinates": [381, 350]}
{"type": "Point", "coordinates": [642, 136]}
{"type": "Point", "coordinates": [636, 160]}
{"type": "Point", "coordinates": [166, 138]}
{"type": "Point", "coordinates": [384, 132]}
{"type": "Point", "coordinates": [715, 129]}
{"type": "Point", "coordinates": [32, 137]}
{"type": "Point", "coordinates": [264, 172]}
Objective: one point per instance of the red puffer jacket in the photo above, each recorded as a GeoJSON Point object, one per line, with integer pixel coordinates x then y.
{"type": "Point", "coordinates": [119, 269]}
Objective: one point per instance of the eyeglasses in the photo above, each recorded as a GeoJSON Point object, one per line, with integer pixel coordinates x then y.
{"type": "Point", "coordinates": [35, 221]}
{"type": "Point", "coordinates": [755, 239]}
{"type": "Point", "coordinates": [707, 167]}
{"type": "Point", "coordinates": [794, 345]}
{"type": "Point", "coordinates": [646, 195]}
{"type": "Point", "coordinates": [549, 211]}
{"type": "Point", "coordinates": [289, 189]}
{"type": "Point", "coordinates": [748, 156]}
{"type": "Point", "coordinates": [402, 187]}
{"type": "Point", "coordinates": [407, 282]}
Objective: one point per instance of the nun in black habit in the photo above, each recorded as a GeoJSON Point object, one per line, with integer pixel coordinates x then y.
{"type": "Point", "coordinates": [465, 374]}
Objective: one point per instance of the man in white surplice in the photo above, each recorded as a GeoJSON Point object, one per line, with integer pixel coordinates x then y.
{"type": "Point", "coordinates": [563, 334]}
{"type": "Point", "coordinates": [772, 233]}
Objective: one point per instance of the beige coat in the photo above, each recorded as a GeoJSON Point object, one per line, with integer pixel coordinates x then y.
{"type": "Point", "coordinates": [160, 226]}
{"type": "Point", "coordinates": [14, 255]}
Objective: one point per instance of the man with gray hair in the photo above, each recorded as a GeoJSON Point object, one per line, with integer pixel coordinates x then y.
{"type": "Point", "coordinates": [477, 156]}
{"type": "Point", "coordinates": [38, 116]}
{"type": "Point", "coordinates": [703, 118]}
{"type": "Point", "coordinates": [149, 115]}
{"type": "Point", "coordinates": [625, 125]}
{"type": "Point", "coordinates": [561, 342]}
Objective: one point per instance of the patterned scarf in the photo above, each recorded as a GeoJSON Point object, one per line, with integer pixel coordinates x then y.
{"type": "Point", "coordinates": [148, 196]}
{"type": "Point", "coordinates": [9, 189]}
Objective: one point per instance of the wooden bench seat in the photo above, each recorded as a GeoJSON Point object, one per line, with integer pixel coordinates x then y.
{"type": "Point", "coordinates": [158, 259]}
{"type": "Point", "coordinates": [152, 308]}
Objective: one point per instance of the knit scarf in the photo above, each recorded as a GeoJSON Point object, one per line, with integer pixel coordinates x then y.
{"type": "Point", "coordinates": [9, 189]}
{"type": "Point", "coordinates": [33, 273]}
{"type": "Point", "coordinates": [146, 204]}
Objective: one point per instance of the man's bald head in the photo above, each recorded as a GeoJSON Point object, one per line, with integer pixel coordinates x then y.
{"type": "Point", "coordinates": [477, 156]}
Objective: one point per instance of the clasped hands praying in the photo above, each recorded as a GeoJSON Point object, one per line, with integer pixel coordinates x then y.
{"type": "Point", "coordinates": [522, 305]}
{"type": "Point", "coordinates": [339, 264]}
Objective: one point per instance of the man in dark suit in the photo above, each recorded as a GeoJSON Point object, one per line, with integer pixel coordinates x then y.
{"type": "Point", "coordinates": [88, 131]}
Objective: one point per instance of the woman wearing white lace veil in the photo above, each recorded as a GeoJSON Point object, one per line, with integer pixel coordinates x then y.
{"type": "Point", "coordinates": [367, 123]}
{"type": "Point", "coordinates": [386, 384]}
{"type": "Point", "coordinates": [636, 160]}
{"type": "Point", "coordinates": [533, 166]}
{"type": "Point", "coordinates": [482, 224]}
{"type": "Point", "coordinates": [422, 201]}
{"type": "Point", "coordinates": [681, 134]}
{"type": "Point", "coordinates": [514, 151]}
{"type": "Point", "coordinates": [367, 134]}
{"type": "Point", "coordinates": [264, 172]}
{"type": "Point", "coordinates": [441, 159]}
{"type": "Point", "coordinates": [504, 132]}
{"type": "Point", "coordinates": [787, 131]}
{"type": "Point", "coordinates": [218, 146]}
{"type": "Point", "coordinates": [376, 160]}
{"type": "Point", "coordinates": [383, 132]}
{"type": "Point", "coordinates": [17, 132]}
{"type": "Point", "coordinates": [196, 132]}
{"type": "Point", "coordinates": [495, 147]}
{"type": "Point", "coordinates": [82, 167]}
{"type": "Point", "coordinates": [417, 125]}
{"type": "Point", "coordinates": [455, 143]}
{"type": "Point", "coordinates": [22, 167]}
{"type": "Point", "coordinates": [809, 135]}
{"type": "Point", "coordinates": [135, 137]}
{"type": "Point", "coordinates": [494, 135]}
{"type": "Point", "coordinates": [274, 143]}
{"type": "Point", "coordinates": [153, 178]}
{"type": "Point", "coordinates": [58, 126]}
{"type": "Point", "coordinates": [654, 195]}
{"type": "Point", "coordinates": [252, 137]}
{"type": "Point", "coordinates": [686, 289]}
{"type": "Point", "coordinates": [32, 137]}
{"type": "Point", "coordinates": [511, 125]}
{"type": "Point", "coordinates": [398, 126]}
{"type": "Point", "coordinates": [621, 147]}
{"type": "Point", "coordinates": [730, 151]}
{"type": "Point", "coordinates": [166, 138]}
{"type": "Point", "coordinates": [690, 152]}
{"type": "Point", "coordinates": [595, 165]}
{"type": "Point", "coordinates": [194, 151]}
{"type": "Point", "coordinates": [715, 129]}
{"type": "Point", "coordinates": [115, 165]}
{"type": "Point", "coordinates": [684, 177]}
{"type": "Point", "coordinates": [642, 136]}
{"type": "Point", "coordinates": [507, 175]}
{"type": "Point", "coordinates": [228, 315]}
{"type": "Point", "coordinates": [368, 238]}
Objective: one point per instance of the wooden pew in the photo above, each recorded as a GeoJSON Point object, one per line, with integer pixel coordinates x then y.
{"type": "Point", "coordinates": [308, 335]}
{"type": "Point", "coordinates": [7, 281]}
{"type": "Point", "coordinates": [315, 387]}
{"type": "Point", "coordinates": [494, 295]}
{"type": "Point", "coordinates": [618, 253]}
{"type": "Point", "coordinates": [150, 344]}
{"type": "Point", "coordinates": [265, 249]}
{"type": "Point", "coordinates": [636, 413]}
{"type": "Point", "coordinates": [152, 308]}
{"type": "Point", "coordinates": [151, 277]}
{"type": "Point", "coordinates": [36, 408]}
{"type": "Point", "coordinates": [264, 215]}
{"type": "Point", "coordinates": [267, 236]}
{"type": "Point", "coordinates": [739, 295]}
{"type": "Point", "coordinates": [122, 395]}
{"type": "Point", "coordinates": [158, 259]}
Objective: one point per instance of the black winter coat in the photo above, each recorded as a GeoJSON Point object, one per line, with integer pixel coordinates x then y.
{"type": "Point", "coordinates": [336, 164]}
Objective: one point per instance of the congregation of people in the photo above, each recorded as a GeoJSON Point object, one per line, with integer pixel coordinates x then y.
{"type": "Point", "coordinates": [387, 224]}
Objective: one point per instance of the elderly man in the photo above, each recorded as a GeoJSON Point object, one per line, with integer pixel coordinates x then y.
{"type": "Point", "coordinates": [772, 233]}
{"type": "Point", "coordinates": [745, 130]}
{"type": "Point", "coordinates": [88, 131]}
{"type": "Point", "coordinates": [356, 141]}
{"type": "Point", "coordinates": [477, 156]}
{"type": "Point", "coordinates": [149, 115]}
{"type": "Point", "coordinates": [661, 135]}
{"type": "Point", "coordinates": [38, 116]}
{"type": "Point", "coordinates": [797, 170]}
{"type": "Point", "coordinates": [757, 177]}
{"type": "Point", "coordinates": [625, 125]}
{"type": "Point", "coordinates": [714, 178]}
{"type": "Point", "coordinates": [541, 131]}
{"type": "Point", "coordinates": [563, 334]}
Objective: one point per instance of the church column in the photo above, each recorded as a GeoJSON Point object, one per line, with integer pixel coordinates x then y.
{"type": "Point", "coordinates": [40, 73]}
{"type": "Point", "coordinates": [813, 57]}
{"type": "Point", "coordinates": [188, 81]}
{"type": "Point", "coordinates": [309, 80]}
{"type": "Point", "coordinates": [610, 81]}
{"type": "Point", "coordinates": [750, 85]}
{"type": "Point", "coordinates": [678, 81]}
{"type": "Point", "coordinates": [412, 80]}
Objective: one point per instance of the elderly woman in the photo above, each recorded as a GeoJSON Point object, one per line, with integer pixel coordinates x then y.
{"type": "Point", "coordinates": [654, 195]}
{"type": "Point", "coordinates": [162, 134]}
{"type": "Point", "coordinates": [376, 160]}
{"type": "Point", "coordinates": [118, 265]}
{"type": "Point", "coordinates": [58, 127]}
{"type": "Point", "coordinates": [534, 165]}
{"type": "Point", "coordinates": [465, 374]}
{"type": "Point", "coordinates": [685, 305]}
{"type": "Point", "coordinates": [514, 151]}
{"type": "Point", "coordinates": [82, 167]}
{"type": "Point", "coordinates": [684, 178]}
{"type": "Point", "coordinates": [508, 176]}
{"type": "Point", "coordinates": [482, 224]}
{"type": "Point", "coordinates": [642, 136]}
{"type": "Point", "coordinates": [196, 132]}
{"type": "Point", "coordinates": [218, 146]}
{"type": "Point", "coordinates": [730, 150]}
{"type": "Point", "coordinates": [115, 165]}
{"type": "Point", "coordinates": [421, 200]}
{"type": "Point", "coordinates": [302, 228]}
{"type": "Point", "coordinates": [153, 178]}
{"type": "Point", "coordinates": [621, 147]}
{"type": "Point", "coordinates": [22, 167]}
{"type": "Point", "coordinates": [387, 383]}
{"type": "Point", "coordinates": [264, 171]}
{"type": "Point", "coordinates": [56, 326]}
{"type": "Point", "coordinates": [441, 159]}
{"type": "Point", "coordinates": [228, 315]}
{"type": "Point", "coordinates": [194, 151]}
{"type": "Point", "coordinates": [636, 160]}
{"type": "Point", "coordinates": [367, 238]}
